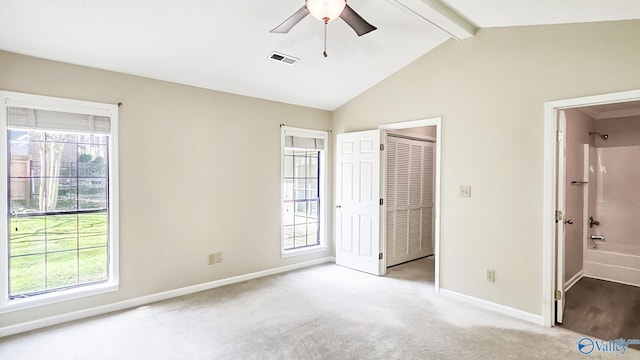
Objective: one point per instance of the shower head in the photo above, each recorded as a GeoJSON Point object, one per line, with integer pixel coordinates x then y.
{"type": "Point", "coordinates": [603, 136]}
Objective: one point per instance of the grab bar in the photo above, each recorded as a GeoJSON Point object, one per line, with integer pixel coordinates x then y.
{"type": "Point", "coordinates": [597, 237]}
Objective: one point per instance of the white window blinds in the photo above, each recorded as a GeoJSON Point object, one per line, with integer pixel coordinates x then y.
{"type": "Point", "coordinates": [26, 118]}
{"type": "Point", "coordinates": [300, 142]}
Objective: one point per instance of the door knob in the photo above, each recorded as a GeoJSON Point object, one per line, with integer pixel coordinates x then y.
{"type": "Point", "coordinates": [570, 222]}
{"type": "Point", "coordinates": [338, 206]}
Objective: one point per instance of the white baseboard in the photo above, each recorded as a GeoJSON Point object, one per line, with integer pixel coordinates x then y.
{"type": "Point", "coordinates": [488, 305]}
{"type": "Point", "coordinates": [131, 303]}
{"type": "Point", "coordinates": [569, 283]}
{"type": "Point", "coordinates": [619, 274]}
{"type": "Point", "coordinates": [610, 279]}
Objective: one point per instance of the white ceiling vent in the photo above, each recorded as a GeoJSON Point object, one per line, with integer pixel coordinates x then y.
{"type": "Point", "coordinates": [285, 59]}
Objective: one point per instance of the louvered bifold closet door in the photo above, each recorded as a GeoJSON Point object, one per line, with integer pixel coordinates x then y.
{"type": "Point", "coordinates": [409, 200]}
{"type": "Point", "coordinates": [428, 166]}
{"type": "Point", "coordinates": [415, 198]}
{"type": "Point", "coordinates": [401, 246]}
{"type": "Point", "coordinates": [391, 199]}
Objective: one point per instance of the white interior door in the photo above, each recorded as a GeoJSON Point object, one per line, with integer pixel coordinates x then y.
{"type": "Point", "coordinates": [358, 205]}
{"type": "Point", "coordinates": [561, 206]}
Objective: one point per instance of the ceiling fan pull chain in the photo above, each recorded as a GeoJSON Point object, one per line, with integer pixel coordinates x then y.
{"type": "Point", "coordinates": [326, 21]}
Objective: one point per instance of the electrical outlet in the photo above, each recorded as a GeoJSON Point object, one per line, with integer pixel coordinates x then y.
{"type": "Point", "coordinates": [465, 191]}
{"type": "Point", "coordinates": [491, 275]}
{"type": "Point", "coordinates": [214, 258]}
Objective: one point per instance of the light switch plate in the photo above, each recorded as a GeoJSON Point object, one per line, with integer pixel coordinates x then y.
{"type": "Point", "coordinates": [465, 191]}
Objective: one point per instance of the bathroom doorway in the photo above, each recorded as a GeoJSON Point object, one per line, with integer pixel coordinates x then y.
{"type": "Point", "coordinates": [601, 251]}
{"type": "Point", "coordinates": [596, 248]}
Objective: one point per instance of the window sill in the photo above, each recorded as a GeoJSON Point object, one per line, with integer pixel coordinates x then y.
{"type": "Point", "coordinates": [57, 297]}
{"type": "Point", "coordinates": [304, 251]}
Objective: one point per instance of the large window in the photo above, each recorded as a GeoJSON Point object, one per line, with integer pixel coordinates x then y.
{"type": "Point", "coordinates": [59, 234]}
{"type": "Point", "coordinates": [303, 190]}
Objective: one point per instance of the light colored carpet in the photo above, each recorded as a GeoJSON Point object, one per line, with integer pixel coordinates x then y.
{"type": "Point", "coordinates": [323, 312]}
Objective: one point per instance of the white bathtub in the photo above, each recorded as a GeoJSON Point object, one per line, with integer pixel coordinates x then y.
{"type": "Point", "coordinates": [614, 263]}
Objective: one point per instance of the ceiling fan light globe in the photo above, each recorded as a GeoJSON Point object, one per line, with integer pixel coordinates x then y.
{"type": "Point", "coordinates": [326, 9]}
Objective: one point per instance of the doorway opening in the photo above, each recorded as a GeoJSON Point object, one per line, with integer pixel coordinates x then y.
{"type": "Point", "coordinates": [601, 265]}
{"type": "Point", "coordinates": [411, 189]}
{"type": "Point", "coordinates": [361, 196]}
{"type": "Point", "coordinates": [591, 272]}
{"type": "Point", "coordinates": [410, 164]}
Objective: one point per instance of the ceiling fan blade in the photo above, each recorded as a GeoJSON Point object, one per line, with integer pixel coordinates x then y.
{"type": "Point", "coordinates": [291, 21]}
{"type": "Point", "coordinates": [357, 23]}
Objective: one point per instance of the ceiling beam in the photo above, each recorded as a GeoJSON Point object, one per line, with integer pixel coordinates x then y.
{"type": "Point", "coordinates": [440, 16]}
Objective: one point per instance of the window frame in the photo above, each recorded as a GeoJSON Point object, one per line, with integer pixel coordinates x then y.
{"type": "Point", "coordinates": [322, 180]}
{"type": "Point", "coordinates": [16, 99]}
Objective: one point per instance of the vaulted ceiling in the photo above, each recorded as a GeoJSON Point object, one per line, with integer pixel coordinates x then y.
{"type": "Point", "coordinates": [225, 45]}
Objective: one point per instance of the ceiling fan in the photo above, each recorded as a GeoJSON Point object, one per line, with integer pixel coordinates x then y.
{"type": "Point", "coordinates": [326, 11]}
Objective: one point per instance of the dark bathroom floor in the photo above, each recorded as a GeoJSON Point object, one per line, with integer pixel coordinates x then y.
{"type": "Point", "coordinates": [603, 309]}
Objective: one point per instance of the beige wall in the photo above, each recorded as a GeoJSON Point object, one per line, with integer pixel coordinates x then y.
{"type": "Point", "coordinates": [623, 131]}
{"type": "Point", "coordinates": [199, 173]}
{"type": "Point", "coordinates": [577, 134]}
{"type": "Point", "coordinates": [490, 91]}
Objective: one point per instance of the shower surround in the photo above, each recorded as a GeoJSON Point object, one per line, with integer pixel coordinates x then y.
{"type": "Point", "coordinates": [614, 201]}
